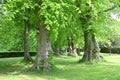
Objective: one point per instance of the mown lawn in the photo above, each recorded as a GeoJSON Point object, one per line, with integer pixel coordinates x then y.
{"type": "Point", "coordinates": [67, 68]}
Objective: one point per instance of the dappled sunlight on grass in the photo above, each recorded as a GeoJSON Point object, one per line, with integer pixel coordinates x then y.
{"type": "Point", "coordinates": [66, 68]}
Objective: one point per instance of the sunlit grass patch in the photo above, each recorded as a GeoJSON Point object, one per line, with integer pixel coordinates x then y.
{"type": "Point", "coordinates": [66, 68]}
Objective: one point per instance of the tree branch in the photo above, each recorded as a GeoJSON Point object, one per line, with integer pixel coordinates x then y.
{"type": "Point", "coordinates": [106, 10]}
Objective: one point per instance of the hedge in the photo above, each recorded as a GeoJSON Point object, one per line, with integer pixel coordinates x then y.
{"type": "Point", "coordinates": [14, 54]}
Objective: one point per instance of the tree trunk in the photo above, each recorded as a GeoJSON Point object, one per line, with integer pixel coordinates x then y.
{"type": "Point", "coordinates": [27, 56]}
{"type": "Point", "coordinates": [91, 48]}
{"type": "Point", "coordinates": [110, 50]}
{"type": "Point", "coordinates": [78, 51]}
{"type": "Point", "coordinates": [56, 51]}
{"type": "Point", "coordinates": [43, 48]}
{"type": "Point", "coordinates": [96, 49]}
{"type": "Point", "coordinates": [71, 49]}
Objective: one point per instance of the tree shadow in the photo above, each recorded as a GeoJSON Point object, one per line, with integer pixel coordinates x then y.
{"type": "Point", "coordinates": [65, 69]}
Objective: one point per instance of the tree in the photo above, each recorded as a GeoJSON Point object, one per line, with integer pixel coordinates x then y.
{"type": "Point", "coordinates": [71, 48]}
{"type": "Point", "coordinates": [55, 23]}
{"type": "Point", "coordinates": [48, 29]}
{"type": "Point", "coordinates": [26, 43]}
{"type": "Point", "coordinates": [42, 34]}
{"type": "Point", "coordinates": [19, 13]}
{"type": "Point", "coordinates": [89, 13]}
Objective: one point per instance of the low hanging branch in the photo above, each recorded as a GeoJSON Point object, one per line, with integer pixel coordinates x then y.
{"type": "Point", "coordinates": [109, 9]}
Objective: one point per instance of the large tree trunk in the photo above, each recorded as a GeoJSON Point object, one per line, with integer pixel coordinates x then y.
{"type": "Point", "coordinates": [91, 48]}
{"type": "Point", "coordinates": [96, 49]}
{"type": "Point", "coordinates": [43, 48]}
{"type": "Point", "coordinates": [27, 56]}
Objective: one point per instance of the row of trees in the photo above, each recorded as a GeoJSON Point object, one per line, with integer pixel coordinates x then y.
{"type": "Point", "coordinates": [61, 23]}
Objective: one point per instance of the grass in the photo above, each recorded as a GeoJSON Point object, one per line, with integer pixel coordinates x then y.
{"type": "Point", "coordinates": [67, 68]}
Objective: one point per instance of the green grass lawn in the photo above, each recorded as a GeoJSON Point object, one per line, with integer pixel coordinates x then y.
{"type": "Point", "coordinates": [67, 68]}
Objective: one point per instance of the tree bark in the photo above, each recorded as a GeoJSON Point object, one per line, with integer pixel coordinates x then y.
{"type": "Point", "coordinates": [78, 51]}
{"type": "Point", "coordinates": [91, 48]}
{"type": "Point", "coordinates": [71, 49]}
{"type": "Point", "coordinates": [56, 50]}
{"type": "Point", "coordinates": [43, 48]}
{"type": "Point", "coordinates": [27, 56]}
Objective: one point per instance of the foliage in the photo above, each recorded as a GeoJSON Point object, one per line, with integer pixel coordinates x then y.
{"type": "Point", "coordinates": [9, 35]}
{"type": "Point", "coordinates": [95, 15]}
{"type": "Point", "coordinates": [32, 39]}
{"type": "Point", "coordinates": [61, 22]}
{"type": "Point", "coordinates": [12, 37]}
{"type": "Point", "coordinates": [65, 18]}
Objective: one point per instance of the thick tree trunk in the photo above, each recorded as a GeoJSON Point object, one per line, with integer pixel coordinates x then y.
{"type": "Point", "coordinates": [91, 48]}
{"type": "Point", "coordinates": [96, 49]}
{"type": "Point", "coordinates": [27, 56]}
{"type": "Point", "coordinates": [43, 48]}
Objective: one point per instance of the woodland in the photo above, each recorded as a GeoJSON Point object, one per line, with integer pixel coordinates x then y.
{"type": "Point", "coordinates": [51, 38]}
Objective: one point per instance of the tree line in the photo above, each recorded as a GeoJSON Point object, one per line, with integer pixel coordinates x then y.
{"type": "Point", "coordinates": [61, 24]}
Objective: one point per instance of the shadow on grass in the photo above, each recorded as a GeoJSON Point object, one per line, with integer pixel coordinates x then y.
{"type": "Point", "coordinates": [15, 66]}
{"type": "Point", "coordinates": [65, 69]}
{"type": "Point", "coordinates": [11, 65]}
